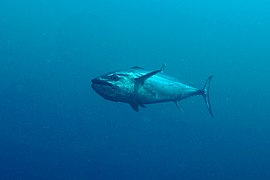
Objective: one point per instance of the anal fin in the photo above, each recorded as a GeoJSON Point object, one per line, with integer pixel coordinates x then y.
{"type": "Point", "coordinates": [178, 106]}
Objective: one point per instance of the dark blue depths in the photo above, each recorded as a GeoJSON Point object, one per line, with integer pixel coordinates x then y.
{"type": "Point", "coordinates": [54, 126]}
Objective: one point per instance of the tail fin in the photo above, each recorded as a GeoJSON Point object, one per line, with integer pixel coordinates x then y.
{"type": "Point", "coordinates": [205, 95]}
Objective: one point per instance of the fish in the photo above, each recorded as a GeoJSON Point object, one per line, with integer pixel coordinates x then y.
{"type": "Point", "coordinates": [137, 86]}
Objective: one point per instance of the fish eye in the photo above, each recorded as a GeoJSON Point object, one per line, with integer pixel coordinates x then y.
{"type": "Point", "coordinates": [114, 77]}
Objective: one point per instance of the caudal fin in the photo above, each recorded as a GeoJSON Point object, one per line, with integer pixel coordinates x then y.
{"type": "Point", "coordinates": [205, 95]}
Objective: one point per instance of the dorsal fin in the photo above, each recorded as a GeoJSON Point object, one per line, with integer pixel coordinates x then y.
{"type": "Point", "coordinates": [136, 67]}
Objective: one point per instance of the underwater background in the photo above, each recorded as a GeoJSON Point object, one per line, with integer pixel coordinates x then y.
{"type": "Point", "coordinates": [54, 126]}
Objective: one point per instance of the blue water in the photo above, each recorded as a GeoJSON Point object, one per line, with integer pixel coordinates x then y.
{"type": "Point", "coordinates": [54, 126]}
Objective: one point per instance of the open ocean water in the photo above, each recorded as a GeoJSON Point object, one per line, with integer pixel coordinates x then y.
{"type": "Point", "coordinates": [54, 126]}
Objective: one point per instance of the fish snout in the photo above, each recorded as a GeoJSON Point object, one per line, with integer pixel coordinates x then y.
{"type": "Point", "coordinates": [98, 81]}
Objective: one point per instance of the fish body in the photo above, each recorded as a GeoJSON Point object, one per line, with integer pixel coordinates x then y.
{"type": "Point", "coordinates": [138, 87]}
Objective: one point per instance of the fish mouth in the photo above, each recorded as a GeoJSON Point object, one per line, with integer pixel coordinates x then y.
{"type": "Point", "coordinates": [100, 82]}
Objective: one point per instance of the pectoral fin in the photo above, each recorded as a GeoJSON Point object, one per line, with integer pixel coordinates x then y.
{"type": "Point", "coordinates": [140, 80]}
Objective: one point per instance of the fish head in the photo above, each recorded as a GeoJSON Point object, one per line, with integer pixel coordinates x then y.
{"type": "Point", "coordinates": [114, 86]}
